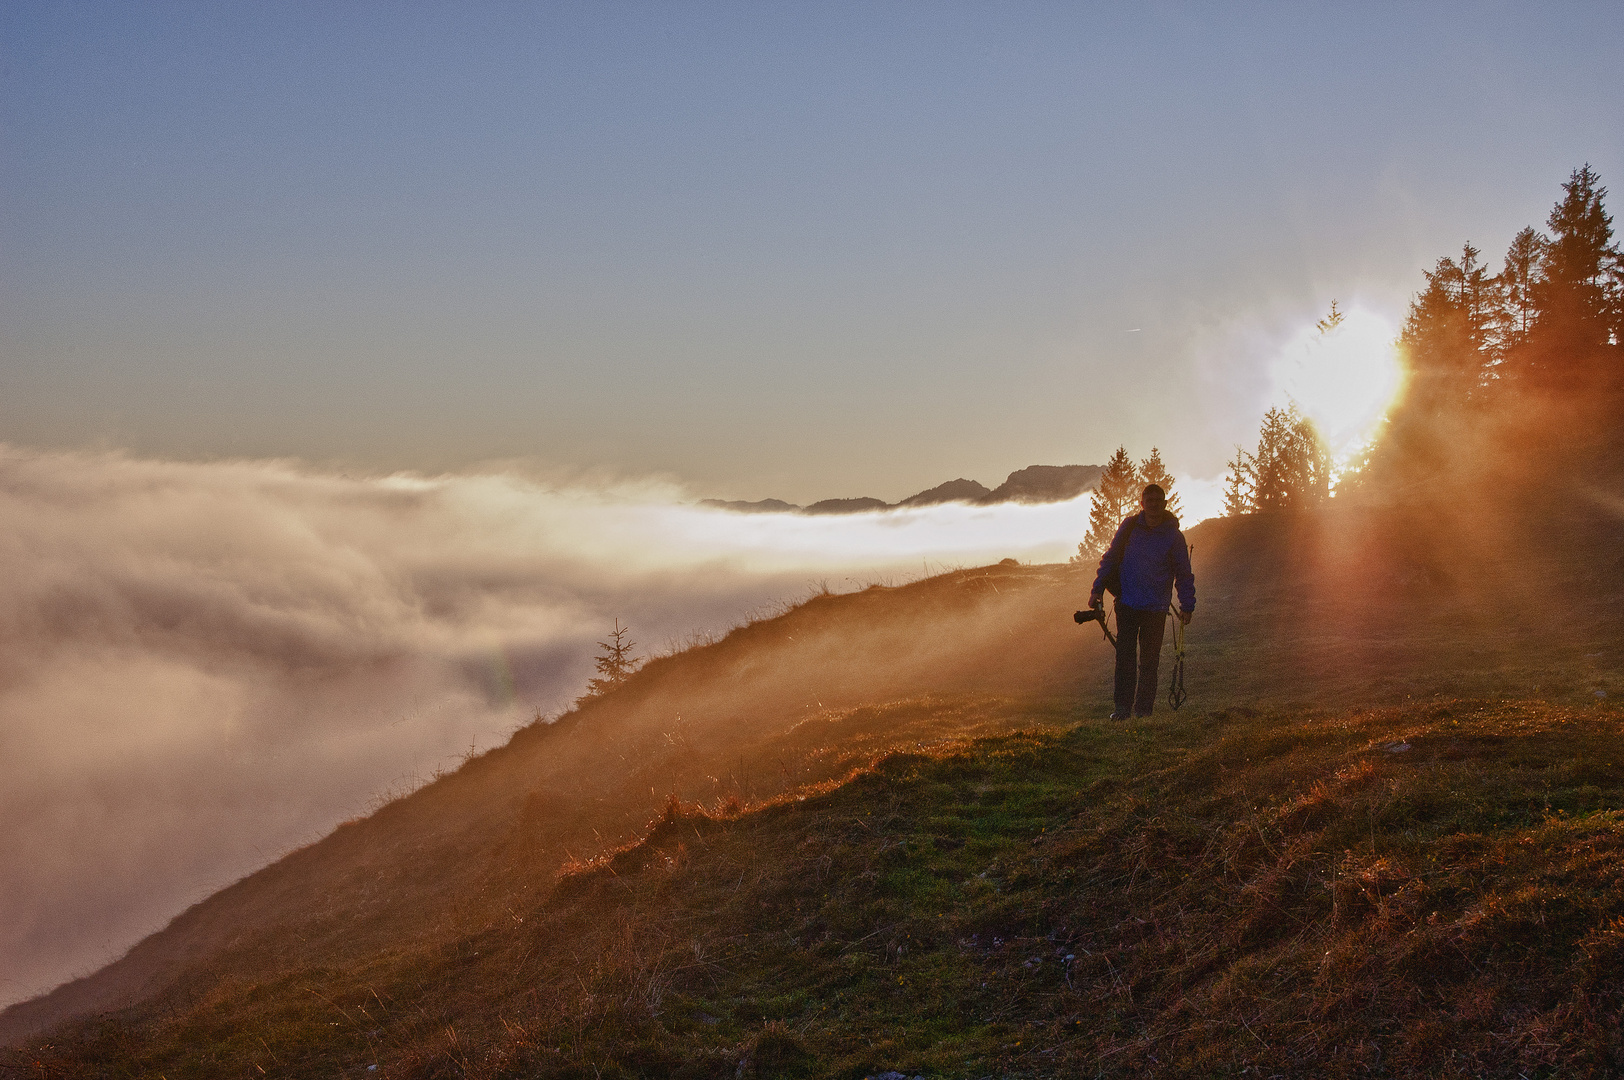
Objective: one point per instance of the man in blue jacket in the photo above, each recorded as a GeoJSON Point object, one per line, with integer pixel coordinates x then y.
{"type": "Point", "coordinates": [1149, 554]}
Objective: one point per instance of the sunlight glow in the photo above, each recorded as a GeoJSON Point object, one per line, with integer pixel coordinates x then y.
{"type": "Point", "coordinates": [1200, 498]}
{"type": "Point", "coordinates": [1344, 380]}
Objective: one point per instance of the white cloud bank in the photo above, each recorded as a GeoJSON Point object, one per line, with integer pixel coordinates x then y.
{"type": "Point", "coordinates": [202, 665]}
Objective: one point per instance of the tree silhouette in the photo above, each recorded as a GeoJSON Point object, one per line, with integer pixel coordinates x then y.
{"type": "Point", "coordinates": [1292, 466]}
{"type": "Point", "coordinates": [1152, 471]}
{"type": "Point", "coordinates": [1449, 336]}
{"type": "Point", "coordinates": [1113, 500]}
{"type": "Point", "coordinates": [1522, 269]}
{"type": "Point", "coordinates": [1331, 321]}
{"type": "Point", "coordinates": [615, 663]}
{"type": "Point", "coordinates": [1577, 296]}
{"type": "Point", "coordinates": [1545, 331]}
{"type": "Point", "coordinates": [1271, 484]}
{"type": "Point", "coordinates": [1240, 486]}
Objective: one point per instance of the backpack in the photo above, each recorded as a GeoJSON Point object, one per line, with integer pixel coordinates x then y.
{"type": "Point", "coordinates": [1113, 577]}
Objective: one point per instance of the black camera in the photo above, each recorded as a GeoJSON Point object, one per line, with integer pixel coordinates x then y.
{"type": "Point", "coordinates": [1093, 614]}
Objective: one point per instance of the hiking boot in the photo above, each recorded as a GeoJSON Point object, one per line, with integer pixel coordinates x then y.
{"type": "Point", "coordinates": [1119, 715]}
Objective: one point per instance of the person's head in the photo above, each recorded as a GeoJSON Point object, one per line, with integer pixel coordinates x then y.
{"type": "Point", "coordinates": [1154, 499]}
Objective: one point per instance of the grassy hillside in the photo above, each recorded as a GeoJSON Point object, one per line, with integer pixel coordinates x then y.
{"type": "Point", "coordinates": [775, 705]}
{"type": "Point", "coordinates": [1432, 890]}
{"type": "Point", "coordinates": [1256, 881]}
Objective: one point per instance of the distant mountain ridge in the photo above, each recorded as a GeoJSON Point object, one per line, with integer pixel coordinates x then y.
{"type": "Point", "coordinates": [1033, 484]}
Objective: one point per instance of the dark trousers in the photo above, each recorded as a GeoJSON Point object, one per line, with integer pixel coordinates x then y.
{"type": "Point", "coordinates": [1141, 632]}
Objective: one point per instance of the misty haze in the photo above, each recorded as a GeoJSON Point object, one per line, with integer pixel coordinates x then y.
{"type": "Point", "coordinates": [545, 542]}
{"type": "Point", "coordinates": [205, 665]}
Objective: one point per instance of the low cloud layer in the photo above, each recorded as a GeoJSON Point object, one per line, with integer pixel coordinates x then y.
{"type": "Point", "coordinates": [203, 665]}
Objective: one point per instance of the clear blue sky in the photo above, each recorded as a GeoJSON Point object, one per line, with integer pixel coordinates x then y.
{"type": "Point", "coordinates": [800, 250]}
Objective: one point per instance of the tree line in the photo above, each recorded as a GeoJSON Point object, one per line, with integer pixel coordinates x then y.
{"type": "Point", "coordinates": [1544, 333]}
{"type": "Point", "coordinates": [1549, 322]}
{"type": "Point", "coordinates": [1291, 468]}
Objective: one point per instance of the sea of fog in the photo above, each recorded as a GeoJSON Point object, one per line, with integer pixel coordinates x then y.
{"type": "Point", "coordinates": [203, 665]}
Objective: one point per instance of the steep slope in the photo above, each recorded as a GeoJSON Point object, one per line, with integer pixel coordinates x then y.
{"type": "Point", "coordinates": [767, 708]}
{"type": "Point", "coordinates": [1359, 605]}
{"type": "Point", "coordinates": [1424, 891]}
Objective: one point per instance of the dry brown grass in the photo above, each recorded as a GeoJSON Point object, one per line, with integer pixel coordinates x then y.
{"type": "Point", "coordinates": [1279, 892]}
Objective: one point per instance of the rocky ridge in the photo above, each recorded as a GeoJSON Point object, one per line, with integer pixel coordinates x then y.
{"type": "Point", "coordinates": [1033, 484]}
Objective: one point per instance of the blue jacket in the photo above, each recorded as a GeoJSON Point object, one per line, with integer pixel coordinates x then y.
{"type": "Point", "coordinates": [1154, 560]}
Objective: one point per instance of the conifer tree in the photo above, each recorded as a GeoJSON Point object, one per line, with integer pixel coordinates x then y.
{"type": "Point", "coordinates": [1314, 457]}
{"type": "Point", "coordinates": [615, 662]}
{"type": "Point", "coordinates": [1550, 324]}
{"type": "Point", "coordinates": [1331, 321]}
{"type": "Point", "coordinates": [1522, 270]}
{"type": "Point", "coordinates": [1292, 466]}
{"type": "Point", "coordinates": [1577, 294]}
{"type": "Point", "coordinates": [1152, 471]}
{"type": "Point", "coordinates": [1113, 499]}
{"type": "Point", "coordinates": [1271, 484]}
{"type": "Point", "coordinates": [1580, 257]}
{"type": "Point", "coordinates": [1240, 484]}
{"type": "Point", "coordinates": [1448, 334]}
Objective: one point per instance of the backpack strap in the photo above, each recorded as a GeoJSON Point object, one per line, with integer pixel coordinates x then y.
{"type": "Point", "coordinates": [1113, 581]}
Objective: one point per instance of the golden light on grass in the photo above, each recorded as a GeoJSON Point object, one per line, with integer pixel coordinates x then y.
{"type": "Point", "coordinates": [1344, 379]}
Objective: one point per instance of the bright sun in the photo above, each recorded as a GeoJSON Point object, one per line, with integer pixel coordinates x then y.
{"type": "Point", "coordinates": [1344, 379]}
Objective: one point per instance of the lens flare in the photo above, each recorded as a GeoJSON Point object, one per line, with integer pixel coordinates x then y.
{"type": "Point", "coordinates": [1344, 378]}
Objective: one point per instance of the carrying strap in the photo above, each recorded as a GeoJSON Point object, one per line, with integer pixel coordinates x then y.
{"type": "Point", "coordinates": [1127, 538]}
{"type": "Point", "coordinates": [1175, 685]}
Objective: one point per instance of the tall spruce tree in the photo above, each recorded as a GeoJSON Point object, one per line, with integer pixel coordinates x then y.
{"type": "Point", "coordinates": [1315, 471]}
{"type": "Point", "coordinates": [1448, 334]}
{"type": "Point", "coordinates": [1522, 269]}
{"type": "Point", "coordinates": [1580, 257]}
{"type": "Point", "coordinates": [1271, 485]}
{"type": "Point", "coordinates": [1292, 466]}
{"type": "Point", "coordinates": [1452, 344]}
{"type": "Point", "coordinates": [1240, 484]}
{"type": "Point", "coordinates": [1152, 471]}
{"type": "Point", "coordinates": [1573, 347]}
{"type": "Point", "coordinates": [1114, 498]}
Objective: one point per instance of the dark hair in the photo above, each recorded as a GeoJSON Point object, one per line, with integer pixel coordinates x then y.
{"type": "Point", "coordinates": [1154, 496]}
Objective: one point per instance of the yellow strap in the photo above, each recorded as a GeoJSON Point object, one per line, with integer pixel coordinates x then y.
{"type": "Point", "coordinates": [1178, 631]}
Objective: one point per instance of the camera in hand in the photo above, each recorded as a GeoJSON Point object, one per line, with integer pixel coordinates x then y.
{"type": "Point", "coordinates": [1091, 615]}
